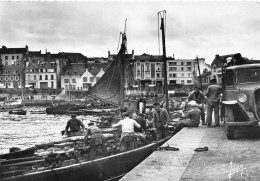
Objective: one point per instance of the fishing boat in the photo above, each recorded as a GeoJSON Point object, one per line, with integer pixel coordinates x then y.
{"type": "Point", "coordinates": [8, 105]}
{"type": "Point", "coordinates": [38, 168]}
{"type": "Point", "coordinates": [18, 111]}
{"type": "Point", "coordinates": [67, 161]}
{"type": "Point", "coordinates": [38, 112]}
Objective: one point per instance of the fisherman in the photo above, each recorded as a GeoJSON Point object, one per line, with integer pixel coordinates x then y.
{"type": "Point", "coordinates": [214, 93]}
{"type": "Point", "coordinates": [95, 139]}
{"type": "Point", "coordinates": [199, 98]}
{"type": "Point", "coordinates": [74, 124]}
{"type": "Point", "coordinates": [190, 119]}
{"type": "Point", "coordinates": [141, 121]}
{"type": "Point", "coordinates": [127, 141]}
{"type": "Point", "coordinates": [160, 121]}
{"type": "Point", "coordinates": [139, 118]}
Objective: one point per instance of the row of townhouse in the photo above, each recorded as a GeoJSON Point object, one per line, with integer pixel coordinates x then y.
{"type": "Point", "coordinates": [82, 76]}
{"type": "Point", "coordinates": [73, 71]}
{"type": "Point", "coordinates": [20, 67]}
{"type": "Point", "coordinates": [148, 70]}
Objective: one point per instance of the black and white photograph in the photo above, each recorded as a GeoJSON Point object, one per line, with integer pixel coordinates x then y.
{"type": "Point", "coordinates": [129, 90]}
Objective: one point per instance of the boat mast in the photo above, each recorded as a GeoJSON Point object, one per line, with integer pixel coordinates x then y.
{"type": "Point", "coordinates": [162, 14]}
{"type": "Point", "coordinates": [197, 60]}
{"type": "Point", "coordinates": [122, 54]}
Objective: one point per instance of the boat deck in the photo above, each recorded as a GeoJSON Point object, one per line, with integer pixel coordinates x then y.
{"type": "Point", "coordinates": [225, 159]}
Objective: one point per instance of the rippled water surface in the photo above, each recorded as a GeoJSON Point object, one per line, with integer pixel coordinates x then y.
{"type": "Point", "coordinates": [24, 131]}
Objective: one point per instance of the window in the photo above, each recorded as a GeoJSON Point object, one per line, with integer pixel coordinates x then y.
{"type": "Point", "coordinates": [188, 75]}
{"type": "Point", "coordinates": [6, 78]}
{"type": "Point", "coordinates": [170, 75]}
{"type": "Point", "coordinates": [182, 74]}
{"type": "Point", "coordinates": [40, 77]}
{"type": "Point", "coordinates": [158, 76]}
{"type": "Point", "coordinates": [189, 81]}
{"type": "Point", "coordinates": [182, 69]}
{"type": "Point", "coordinates": [17, 57]}
{"type": "Point", "coordinates": [18, 63]}
{"type": "Point", "coordinates": [188, 68]}
{"type": "Point", "coordinates": [11, 78]}
{"type": "Point", "coordinates": [34, 77]}
{"type": "Point", "coordinates": [1, 78]}
{"type": "Point", "coordinates": [29, 77]}
{"type": "Point", "coordinates": [66, 80]}
{"type": "Point", "coordinates": [172, 69]}
{"type": "Point", "coordinates": [14, 72]}
{"type": "Point", "coordinates": [12, 57]}
{"type": "Point", "coordinates": [174, 75]}
{"type": "Point", "coordinates": [46, 77]}
{"type": "Point", "coordinates": [6, 57]}
{"type": "Point", "coordinates": [91, 79]}
{"type": "Point", "coordinates": [85, 79]}
{"type": "Point", "coordinates": [7, 72]}
{"type": "Point", "coordinates": [189, 63]}
{"type": "Point", "coordinates": [172, 63]}
{"type": "Point", "coordinates": [182, 82]}
{"type": "Point", "coordinates": [73, 80]}
{"type": "Point", "coordinates": [182, 63]}
{"type": "Point", "coordinates": [52, 77]}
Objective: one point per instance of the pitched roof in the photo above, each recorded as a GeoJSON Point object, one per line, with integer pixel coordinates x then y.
{"type": "Point", "coordinates": [95, 68]}
{"type": "Point", "coordinates": [77, 57]}
{"type": "Point", "coordinates": [38, 66]}
{"type": "Point", "coordinates": [5, 50]}
{"type": "Point", "coordinates": [76, 69]}
{"type": "Point", "coordinates": [11, 68]}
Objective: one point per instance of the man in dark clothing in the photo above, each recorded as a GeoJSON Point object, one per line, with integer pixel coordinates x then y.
{"type": "Point", "coordinates": [160, 121]}
{"type": "Point", "coordinates": [141, 121]}
{"type": "Point", "coordinates": [96, 140]}
{"type": "Point", "coordinates": [190, 119]}
{"type": "Point", "coordinates": [74, 124]}
{"type": "Point", "coordinates": [213, 94]}
{"type": "Point", "coordinates": [199, 98]}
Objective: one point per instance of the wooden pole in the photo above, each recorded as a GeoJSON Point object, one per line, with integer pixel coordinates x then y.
{"type": "Point", "coordinates": [165, 65]}
{"type": "Point", "coordinates": [197, 60]}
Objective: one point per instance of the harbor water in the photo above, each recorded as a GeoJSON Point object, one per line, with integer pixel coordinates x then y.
{"type": "Point", "coordinates": [24, 131]}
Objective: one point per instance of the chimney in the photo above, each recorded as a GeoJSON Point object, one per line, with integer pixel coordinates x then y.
{"type": "Point", "coordinates": [133, 54]}
{"type": "Point", "coordinates": [173, 56]}
{"type": "Point", "coordinates": [108, 54]}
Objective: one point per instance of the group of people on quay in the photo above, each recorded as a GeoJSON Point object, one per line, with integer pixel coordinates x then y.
{"type": "Point", "coordinates": [156, 118]}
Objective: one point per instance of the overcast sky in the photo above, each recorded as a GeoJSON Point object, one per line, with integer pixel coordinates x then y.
{"type": "Point", "coordinates": [92, 28]}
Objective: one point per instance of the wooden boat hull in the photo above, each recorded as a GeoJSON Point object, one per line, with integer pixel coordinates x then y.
{"type": "Point", "coordinates": [107, 168]}
{"type": "Point", "coordinates": [18, 112]}
{"type": "Point", "coordinates": [9, 107]}
{"type": "Point", "coordinates": [37, 112]}
{"type": "Point", "coordinates": [18, 154]}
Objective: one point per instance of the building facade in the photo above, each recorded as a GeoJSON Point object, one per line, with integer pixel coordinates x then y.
{"type": "Point", "coordinates": [82, 76]}
{"type": "Point", "coordinates": [12, 56]}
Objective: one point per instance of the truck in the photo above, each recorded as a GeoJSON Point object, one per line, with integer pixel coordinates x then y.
{"type": "Point", "coordinates": [241, 97]}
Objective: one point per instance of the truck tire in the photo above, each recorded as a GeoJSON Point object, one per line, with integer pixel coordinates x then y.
{"type": "Point", "coordinates": [230, 132]}
{"type": "Point", "coordinates": [230, 118]}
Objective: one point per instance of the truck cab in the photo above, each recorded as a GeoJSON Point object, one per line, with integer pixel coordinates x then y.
{"type": "Point", "coordinates": [241, 98]}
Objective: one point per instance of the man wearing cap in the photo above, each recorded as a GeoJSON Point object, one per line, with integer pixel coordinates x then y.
{"type": "Point", "coordinates": [127, 141]}
{"type": "Point", "coordinates": [160, 121]}
{"type": "Point", "coordinates": [74, 124]}
{"type": "Point", "coordinates": [190, 119]}
{"type": "Point", "coordinates": [198, 96]}
{"type": "Point", "coordinates": [96, 140]}
{"type": "Point", "coordinates": [213, 94]}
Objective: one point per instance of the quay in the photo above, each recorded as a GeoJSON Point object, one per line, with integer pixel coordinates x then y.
{"type": "Point", "coordinates": [237, 159]}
